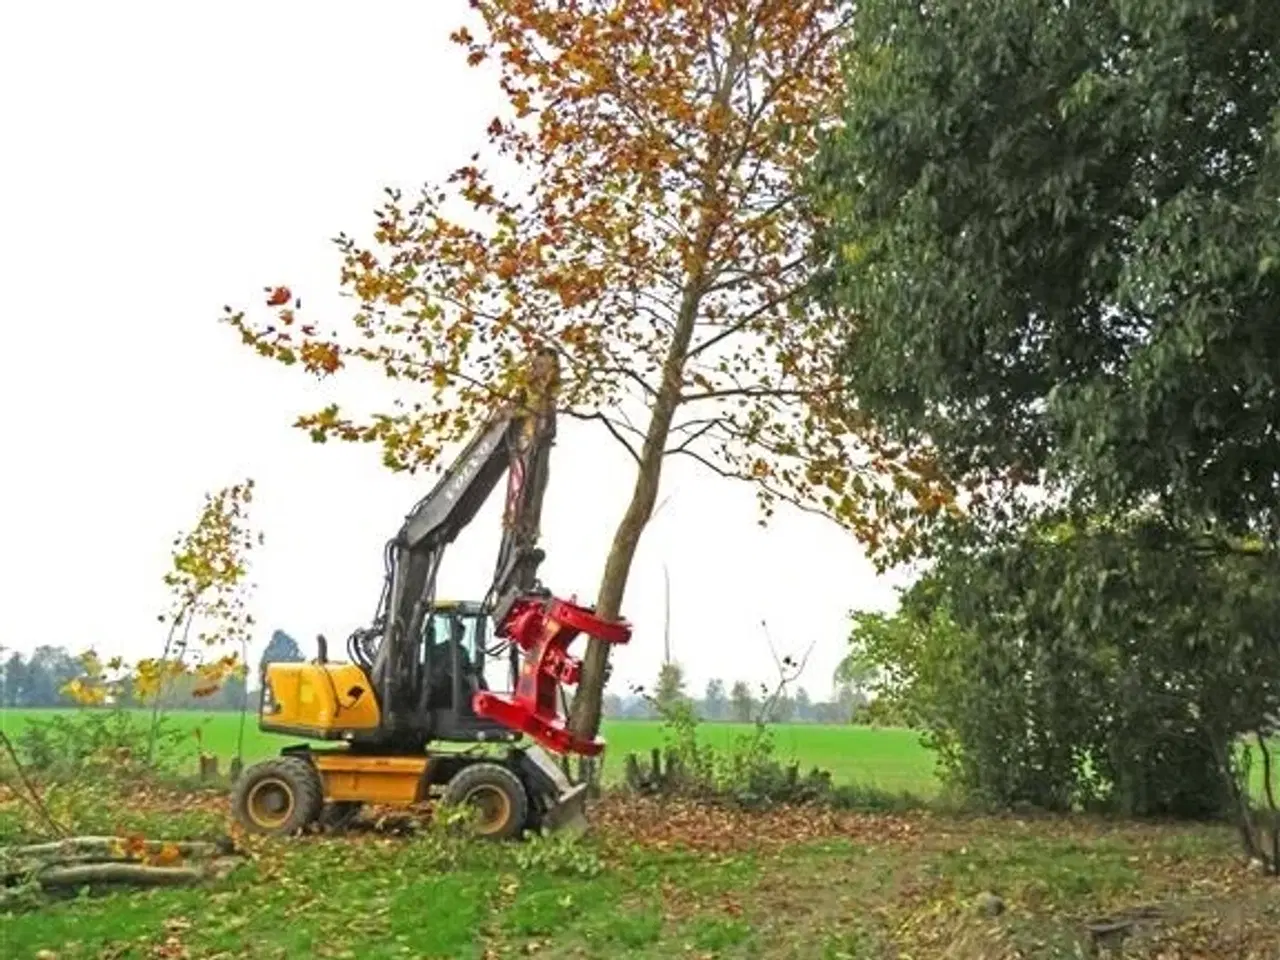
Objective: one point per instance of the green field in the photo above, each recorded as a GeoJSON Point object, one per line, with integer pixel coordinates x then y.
{"type": "Point", "coordinates": [887, 759]}
{"type": "Point", "coordinates": [657, 878]}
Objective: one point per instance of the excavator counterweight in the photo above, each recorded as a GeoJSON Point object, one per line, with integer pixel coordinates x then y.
{"type": "Point", "coordinates": [416, 679]}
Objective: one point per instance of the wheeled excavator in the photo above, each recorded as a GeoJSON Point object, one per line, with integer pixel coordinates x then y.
{"type": "Point", "coordinates": [414, 687]}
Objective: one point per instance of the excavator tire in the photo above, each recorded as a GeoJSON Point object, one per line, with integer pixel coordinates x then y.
{"type": "Point", "coordinates": [495, 794]}
{"type": "Point", "coordinates": [280, 796]}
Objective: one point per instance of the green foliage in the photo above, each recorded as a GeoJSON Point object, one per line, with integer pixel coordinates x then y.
{"type": "Point", "coordinates": [37, 680]}
{"type": "Point", "coordinates": [748, 772]}
{"type": "Point", "coordinates": [1054, 235]}
{"type": "Point", "coordinates": [880, 712]}
{"type": "Point", "coordinates": [741, 702]}
{"type": "Point", "coordinates": [1112, 667]}
{"type": "Point", "coordinates": [558, 854]}
{"type": "Point", "coordinates": [91, 743]}
{"type": "Point", "coordinates": [670, 690]}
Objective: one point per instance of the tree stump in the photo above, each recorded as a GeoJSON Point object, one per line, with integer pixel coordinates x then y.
{"type": "Point", "coordinates": [589, 772]}
{"type": "Point", "coordinates": [674, 777]}
{"type": "Point", "coordinates": [208, 767]}
{"type": "Point", "coordinates": [632, 774]}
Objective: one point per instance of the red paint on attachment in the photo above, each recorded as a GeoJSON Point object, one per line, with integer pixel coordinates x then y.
{"type": "Point", "coordinates": [543, 629]}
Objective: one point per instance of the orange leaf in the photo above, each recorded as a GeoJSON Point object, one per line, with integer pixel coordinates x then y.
{"type": "Point", "coordinates": [166, 856]}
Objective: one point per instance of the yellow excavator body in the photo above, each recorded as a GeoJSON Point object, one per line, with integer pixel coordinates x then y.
{"type": "Point", "coordinates": [320, 701]}
{"type": "Point", "coordinates": [380, 779]}
{"type": "Point", "coordinates": [414, 679]}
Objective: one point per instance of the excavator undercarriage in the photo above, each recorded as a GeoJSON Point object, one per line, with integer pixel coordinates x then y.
{"type": "Point", "coordinates": [411, 718]}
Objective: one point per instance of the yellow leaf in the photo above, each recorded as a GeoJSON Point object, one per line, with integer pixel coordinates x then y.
{"type": "Point", "coordinates": [168, 855]}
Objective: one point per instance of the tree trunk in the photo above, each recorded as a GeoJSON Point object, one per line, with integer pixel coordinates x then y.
{"type": "Point", "coordinates": [585, 716]}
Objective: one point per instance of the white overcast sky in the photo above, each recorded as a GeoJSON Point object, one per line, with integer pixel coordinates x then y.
{"type": "Point", "coordinates": [164, 159]}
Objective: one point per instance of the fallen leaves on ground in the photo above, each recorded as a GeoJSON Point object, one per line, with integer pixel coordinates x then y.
{"type": "Point", "coordinates": [665, 823]}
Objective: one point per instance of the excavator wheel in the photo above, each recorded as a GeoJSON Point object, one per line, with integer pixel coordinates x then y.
{"type": "Point", "coordinates": [279, 796]}
{"type": "Point", "coordinates": [497, 796]}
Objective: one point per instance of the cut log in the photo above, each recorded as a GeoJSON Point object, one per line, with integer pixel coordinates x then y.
{"type": "Point", "coordinates": [107, 847]}
{"type": "Point", "coordinates": [137, 874]}
{"type": "Point", "coordinates": [61, 877]}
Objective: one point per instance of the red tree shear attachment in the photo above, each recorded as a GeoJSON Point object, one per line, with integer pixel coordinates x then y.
{"type": "Point", "coordinates": [543, 629]}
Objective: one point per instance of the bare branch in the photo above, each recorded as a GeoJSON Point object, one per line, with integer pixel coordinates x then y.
{"type": "Point", "coordinates": [758, 482]}
{"type": "Point", "coordinates": [741, 392]}
{"type": "Point", "coordinates": [785, 676]}
{"type": "Point", "coordinates": [36, 801]}
{"type": "Point", "coordinates": [746, 319]}
{"type": "Point", "coordinates": [739, 277]}
{"type": "Point", "coordinates": [611, 427]}
{"type": "Point", "coordinates": [693, 437]}
{"type": "Point", "coordinates": [633, 376]}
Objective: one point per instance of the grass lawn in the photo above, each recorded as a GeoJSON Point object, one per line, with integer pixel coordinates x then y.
{"type": "Point", "coordinates": [887, 759]}
{"type": "Point", "coordinates": [674, 880]}
{"type": "Point", "coordinates": [659, 879]}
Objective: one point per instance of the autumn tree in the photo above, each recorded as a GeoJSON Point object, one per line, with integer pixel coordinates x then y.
{"type": "Point", "coordinates": [207, 616]}
{"type": "Point", "coordinates": [656, 241]}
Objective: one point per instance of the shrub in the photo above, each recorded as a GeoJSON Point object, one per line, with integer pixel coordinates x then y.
{"type": "Point", "coordinates": [100, 743]}
{"type": "Point", "coordinates": [747, 774]}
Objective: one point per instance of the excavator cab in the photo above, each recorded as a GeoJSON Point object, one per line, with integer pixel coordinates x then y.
{"type": "Point", "coordinates": [455, 666]}
{"type": "Point", "coordinates": [453, 655]}
{"type": "Point", "coordinates": [417, 676]}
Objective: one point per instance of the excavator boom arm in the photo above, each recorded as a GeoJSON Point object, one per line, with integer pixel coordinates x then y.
{"type": "Point", "coordinates": [516, 440]}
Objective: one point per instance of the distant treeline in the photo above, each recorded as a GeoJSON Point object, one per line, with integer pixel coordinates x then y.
{"type": "Point", "coordinates": [741, 704]}
{"type": "Point", "coordinates": [37, 680]}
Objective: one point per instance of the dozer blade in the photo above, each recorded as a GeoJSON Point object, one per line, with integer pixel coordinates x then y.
{"type": "Point", "coordinates": [566, 802]}
{"type": "Point", "coordinates": [568, 814]}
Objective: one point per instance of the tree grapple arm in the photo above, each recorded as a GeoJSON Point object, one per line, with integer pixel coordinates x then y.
{"type": "Point", "coordinates": [517, 440]}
